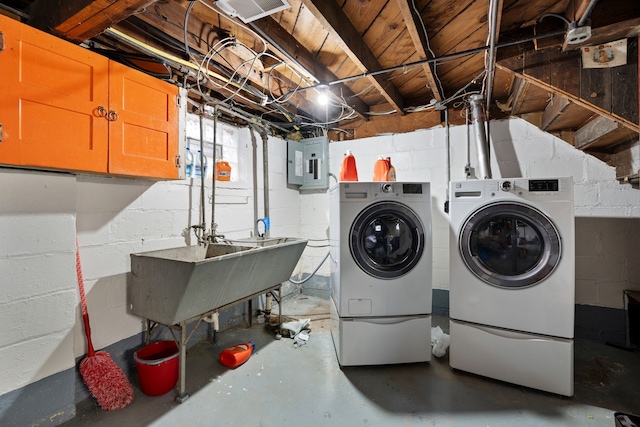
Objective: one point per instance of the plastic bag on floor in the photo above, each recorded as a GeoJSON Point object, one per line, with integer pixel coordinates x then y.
{"type": "Point", "coordinates": [439, 342]}
{"type": "Point", "coordinates": [295, 327]}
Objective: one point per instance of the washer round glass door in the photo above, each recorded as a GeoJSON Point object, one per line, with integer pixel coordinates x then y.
{"type": "Point", "coordinates": [387, 240]}
{"type": "Point", "coordinates": [510, 245]}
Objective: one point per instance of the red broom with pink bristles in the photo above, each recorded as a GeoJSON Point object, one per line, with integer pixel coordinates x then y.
{"type": "Point", "coordinates": [104, 379]}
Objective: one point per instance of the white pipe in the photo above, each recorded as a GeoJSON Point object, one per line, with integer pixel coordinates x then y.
{"type": "Point", "coordinates": [213, 318]}
{"type": "Point", "coordinates": [265, 173]}
{"type": "Point", "coordinates": [447, 137]}
{"type": "Point", "coordinates": [254, 146]}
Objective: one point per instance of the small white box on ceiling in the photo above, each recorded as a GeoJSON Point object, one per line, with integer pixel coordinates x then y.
{"type": "Point", "coordinates": [250, 10]}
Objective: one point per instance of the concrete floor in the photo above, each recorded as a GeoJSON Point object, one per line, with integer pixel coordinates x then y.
{"type": "Point", "coordinates": [282, 385]}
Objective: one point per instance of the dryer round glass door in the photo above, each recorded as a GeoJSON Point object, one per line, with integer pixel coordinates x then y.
{"type": "Point", "coordinates": [387, 240]}
{"type": "Point", "coordinates": [510, 245]}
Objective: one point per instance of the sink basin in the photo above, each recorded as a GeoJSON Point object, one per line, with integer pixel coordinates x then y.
{"type": "Point", "coordinates": [261, 241]}
{"type": "Point", "coordinates": [170, 286]}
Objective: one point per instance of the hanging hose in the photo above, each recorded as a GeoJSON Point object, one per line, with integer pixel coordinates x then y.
{"type": "Point", "coordinates": [295, 282]}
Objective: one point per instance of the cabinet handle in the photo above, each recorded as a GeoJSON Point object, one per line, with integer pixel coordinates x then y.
{"type": "Point", "coordinates": [113, 116]}
{"type": "Point", "coordinates": [102, 112]}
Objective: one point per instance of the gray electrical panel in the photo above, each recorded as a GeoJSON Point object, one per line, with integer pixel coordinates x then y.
{"type": "Point", "coordinates": [308, 163]}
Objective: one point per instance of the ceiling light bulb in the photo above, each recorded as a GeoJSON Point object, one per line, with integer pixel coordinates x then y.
{"type": "Point", "coordinates": [323, 96]}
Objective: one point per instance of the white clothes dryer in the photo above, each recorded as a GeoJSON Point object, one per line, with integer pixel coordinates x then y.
{"type": "Point", "coordinates": [512, 280]}
{"type": "Point", "coordinates": [381, 264]}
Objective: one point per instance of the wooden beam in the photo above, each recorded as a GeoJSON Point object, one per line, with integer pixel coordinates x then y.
{"type": "Point", "coordinates": [333, 19]}
{"type": "Point", "coordinates": [393, 124]}
{"type": "Point", "coordinates": [575, 99]}
{"type": "Point", "coordinates": [421, 43]}
{"type": "Point", "coordinates": [554, 109]}
{"type": "Point", "coordinates": [284, 42]}
{"type": "Point", "coordinates": [602, 132]}
{"type": "Point", "coordinates": [80, 20]}
{"type": "Point", "coordinates": [519, 93]}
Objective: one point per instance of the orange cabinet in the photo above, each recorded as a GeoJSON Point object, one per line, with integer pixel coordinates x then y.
{"type": "Point", "coordinates": [64, 107]}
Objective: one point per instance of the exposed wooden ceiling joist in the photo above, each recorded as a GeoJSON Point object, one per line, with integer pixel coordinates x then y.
{"type": "Point", "coordinates": [80, 20]}
{"type": "Point", "coordinates": [284, 41]}
{"type": "Point", "coordinates": [333, 19]}
{"type": "Point", "coordinates": [419, 38]}
{"type": "Point", "coordinates": [574, 99]}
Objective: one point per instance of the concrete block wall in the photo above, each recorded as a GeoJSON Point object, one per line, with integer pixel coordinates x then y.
{"type": "Point", "coordinates": [39, 293]}
{"type": "Point", "coordinates": [40, 215]}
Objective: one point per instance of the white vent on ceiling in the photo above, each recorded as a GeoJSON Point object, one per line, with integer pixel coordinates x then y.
{"type": "Point", "coordinates": [250, 10]}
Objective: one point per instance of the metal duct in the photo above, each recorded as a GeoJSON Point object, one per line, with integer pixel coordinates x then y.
{"type": "Point", "coordinates": [478, 119]}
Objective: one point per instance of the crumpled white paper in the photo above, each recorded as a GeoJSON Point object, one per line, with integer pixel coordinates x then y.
{"type": "Point", "coordinates": [439, 342]}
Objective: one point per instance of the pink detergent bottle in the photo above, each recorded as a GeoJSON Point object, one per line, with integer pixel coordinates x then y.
{"type": "Point", "coordinates": [235, 356]}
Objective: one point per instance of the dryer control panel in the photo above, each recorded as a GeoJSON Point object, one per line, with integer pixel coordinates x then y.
{"type": "Point", "coordinates": [543, 185]}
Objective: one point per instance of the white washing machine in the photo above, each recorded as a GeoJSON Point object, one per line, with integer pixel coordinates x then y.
{"type": "Point", "coordinates": [512, 281]}
{"type": "Point", "coordinates": [381, 263]}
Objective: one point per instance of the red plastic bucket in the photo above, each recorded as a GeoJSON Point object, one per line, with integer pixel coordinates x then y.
{"type": "Point", "coordinates": [158, 367]}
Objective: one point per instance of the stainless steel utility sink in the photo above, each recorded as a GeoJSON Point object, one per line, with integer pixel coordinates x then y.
{"type": "Point", "coordinates": [173, 285]}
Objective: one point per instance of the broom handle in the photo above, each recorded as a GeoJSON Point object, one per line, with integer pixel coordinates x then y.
{"type": "Point", "coordinates": [83, 304]}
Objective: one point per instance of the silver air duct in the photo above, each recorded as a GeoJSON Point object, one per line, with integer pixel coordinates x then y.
{"type": "Point", "coordinates": [477, 117]}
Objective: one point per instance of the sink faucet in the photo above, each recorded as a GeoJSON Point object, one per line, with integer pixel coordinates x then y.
{"type": "Point", "coordinates": [266, 223]}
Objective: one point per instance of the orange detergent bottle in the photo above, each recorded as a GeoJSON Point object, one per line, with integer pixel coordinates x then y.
{"type": "Point", "coordinates": [348, 170]}
{"type": "Point", "coordinates": [223, 171]}
{"type": "Point", "coordinates": [392, 170]}
{"type": "Point", "coordinates": [235, 356]}
{"type": "Point", "coordinates": [381, 169]}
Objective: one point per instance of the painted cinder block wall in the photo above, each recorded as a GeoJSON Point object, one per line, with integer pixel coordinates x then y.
{"type": "Point", "coordinates": [40, 213]}
{"type": "Point", "coordinates": [607, 213]}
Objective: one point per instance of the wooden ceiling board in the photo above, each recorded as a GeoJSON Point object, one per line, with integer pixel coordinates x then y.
{"type": "Point", "coordinates": [387, 30]}
{"type": "Point", "coordinates": [437, 14]}
{"type": "Point", "coordinates": [571, 116]}
{"type": "Point", "coordinates": [521, 13]}
{"type": "Point", "coordinates": [502, 83]}
{"type": "Point", "coordinates": [451, 65]}
{"type": "Point", "coordinates": [287, 18]}
{"type": "Point", "coordinates": [533, 99]}
{"type": "Point", "coordinates": [464, 71]}
{"type": "Point", "coordinates": [335, 59]}
{"type": "Point", "coordinates": [309, 31]}
{"type": "Point", "coordinates": [465, 31]}
{"type": "Point", "coordinates": [362, 13]}
{"type": "Point", "coordinates": [412, 82]}
{"type": "Point", "coordinates": [397, 54]}
{"type": "Point", "coordinates": [330, 15]}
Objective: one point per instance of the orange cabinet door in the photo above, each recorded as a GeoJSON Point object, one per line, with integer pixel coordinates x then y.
{"type": "Point", "coordinates": [49, 108]}
{"type": "Point", "coordinates": [143, 126]}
